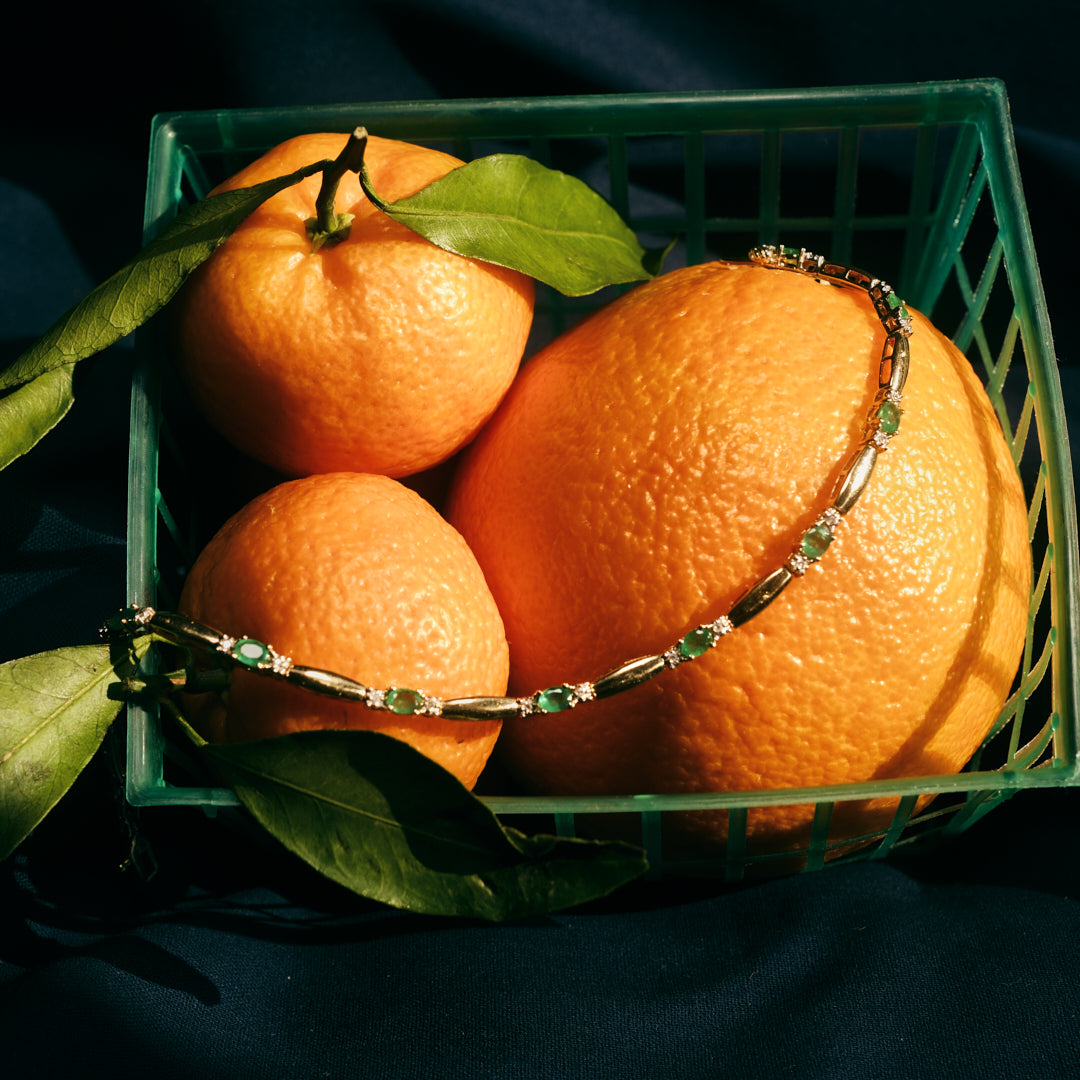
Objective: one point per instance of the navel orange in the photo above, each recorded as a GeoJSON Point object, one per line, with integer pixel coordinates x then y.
{"type": "Point", "coordinates": [382, 353]}
{"type": "Point", "coordinates": [657, 460]}
{"type": "Point", "coordinates": [355, 574]}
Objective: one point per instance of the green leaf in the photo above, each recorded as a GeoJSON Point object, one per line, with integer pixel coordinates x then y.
{"type": "Point", "coordinates": [513, 211]}
{"type": "Point", "coordinates": [145, 285]}
{"type": "Point", "coordinates": [30, 412]}
{"type": "Point", "coordinates": [380, 818]}
{"type": "Point", "coordinates": [55, 708]}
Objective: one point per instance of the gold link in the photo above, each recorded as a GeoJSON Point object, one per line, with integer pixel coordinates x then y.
{"type": "Point", "coordinates": [894, 363]}
{"type": "Point", "coordinates": [856, 478]}
{"type": "Point", "coordinates": [628, 675]}
{"type": "Point", "coordinates": [833, 270]}
{"type": "Point", "coordinates": [480, 708]}
{"type": "Point", "coordinates": [174, 625]}
{"type": "Point", "coordinates": [327, 683]}
{"type": "Point", "coordinates": [759, 596]}
{"type": "Point", "coordinates": [860, 278]}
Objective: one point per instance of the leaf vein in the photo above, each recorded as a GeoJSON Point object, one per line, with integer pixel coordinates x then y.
{"type": "Point", "coordinates": [322, 799]}
{"type": "Point", "coordinates": [509, 219]}
{"type": "Point", "coordinates": [65, 703]}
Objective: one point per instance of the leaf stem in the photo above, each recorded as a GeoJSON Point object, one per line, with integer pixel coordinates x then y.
{"type": "Point", "coordinates": [328, 227]}
{"type": "Point", "coordinates": [373, 196]}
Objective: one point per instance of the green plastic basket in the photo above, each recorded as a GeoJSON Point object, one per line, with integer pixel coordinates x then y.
{"type": "Point", "coordinates": [918, 182]}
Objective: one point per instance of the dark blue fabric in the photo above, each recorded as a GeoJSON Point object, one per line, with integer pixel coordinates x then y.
{"type": "Point", "coordinates": [233, 961]}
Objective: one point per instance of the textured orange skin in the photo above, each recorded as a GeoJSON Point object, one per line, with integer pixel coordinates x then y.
{"type": "Point", "coordinates": [358, 575]}
{"type": "Point", "coordinates": [662, 456]}
{"type": "Point", "coordinates": [380, 354]}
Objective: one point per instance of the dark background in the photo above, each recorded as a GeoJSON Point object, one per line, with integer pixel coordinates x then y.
{"type": "Point", "coordinates": [233, 962]}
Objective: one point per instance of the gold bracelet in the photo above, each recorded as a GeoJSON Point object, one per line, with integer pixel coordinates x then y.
{"type": "Point", "coordinates": [882, 424]}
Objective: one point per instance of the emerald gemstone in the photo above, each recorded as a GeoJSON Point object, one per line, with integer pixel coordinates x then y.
{"type": "Point", "coordinates": [816, 542]}
{"type": "Point", "coordinates": [696, 642]}
{"type": "Point", "coordinates": [888, 417]}
{"type": "Point", "coordinates": [250, 653]}
{"type": "Point", "coordinates": [789, 251]}
{"type": "Point", "coordinates": [896, 304]}
{"type": "Point", "coordinates": [555, 699]}
{"type": "Point", "coordinates": [404, 702]}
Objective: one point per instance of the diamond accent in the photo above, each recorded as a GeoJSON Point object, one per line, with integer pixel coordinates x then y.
{"type": "Point", "coordinates": [797, 563]}
{"type": "Point", "coordinates": [722, 626]}
{"type": "Point", "coordinates": [375, 699]}
{"type": "Point", "coordinates": [526, 706]}
{"type": "Point", "coordinates": [584, 691]}
{"type": "Point", "coordinates": [226, 644]}
{"type": "Point", "coordinates": [280, 665]}
{"type": "Point", "coordinates": [673, 658]}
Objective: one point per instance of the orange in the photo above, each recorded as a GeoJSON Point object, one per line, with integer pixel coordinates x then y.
{"type": "Point", "coordinates": [664, 455]}
{"type": "Point", "coordinates": [355, 574]}
{"type": "Point", "coordinates": [383, 353]}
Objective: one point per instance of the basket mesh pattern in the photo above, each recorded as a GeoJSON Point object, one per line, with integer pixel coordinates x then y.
{"type": "Point", "coordinates": [918, 183]}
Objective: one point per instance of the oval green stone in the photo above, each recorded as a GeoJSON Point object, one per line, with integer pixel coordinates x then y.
{"type": "Point", "coordinates": [696, 642]}
{"type": "Point", "coordinates": [249, 652]}
{"type": "Point", "coordinates": [554, 699]}
{"type": "Point", "coordinates": [888, 417]}
{"type": "Point", "coordinates": [403, 702]}
{"type": "Point", "coordinates": [896, 304]}
{"type": "Point", "coordinates": [816, 542]}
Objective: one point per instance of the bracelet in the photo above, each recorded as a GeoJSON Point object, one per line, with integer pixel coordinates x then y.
{"type": "Point", "coordinates": [881, 425]}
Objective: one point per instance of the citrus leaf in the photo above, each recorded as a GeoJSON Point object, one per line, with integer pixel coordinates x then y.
{"type": "Point", "coordinates": [380, 818]}
{"type": "Point", "coordinates": [55, 708]}
{"type": "Point", "coordinates": [141, 288]}
{"type": "Point", "coordinates": [31, 411]}
{"type": "Point", "coordinates": [513, 211]}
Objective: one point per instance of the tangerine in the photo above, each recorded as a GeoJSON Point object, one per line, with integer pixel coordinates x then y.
{"type": "Point", "coordinates": [382, 353]}
{"type": "Point", "coordinates": [662, 456]}
{"type": "Point", "coordinates": [358, 575]}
